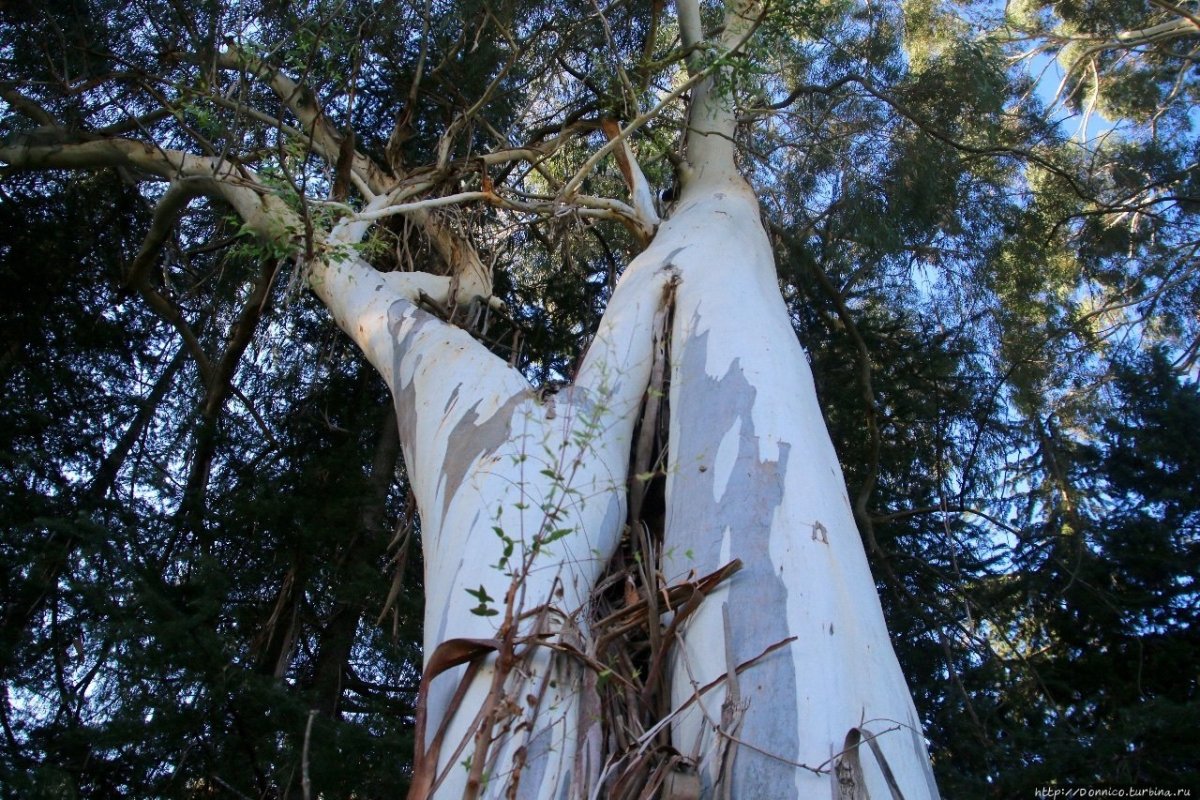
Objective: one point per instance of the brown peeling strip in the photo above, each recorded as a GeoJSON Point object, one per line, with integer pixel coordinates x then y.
{"type": "Point", "coordinates": [398, 547]}
{"type": "Point", "coordinates": [659, 660]}
{"type": "Point", "coordinates": [611, 131]}
{"type": "Point", "coordinates": [682, 613]}
{"type": "Point", "coordinates": [449, 654]}
{"type": "Point", "coordinates": [847, 770]}
{"type": "Point", "coordinates": [851, 782]}
{"type": "Point", "coordinates": [455, 702]}
{"type": "Point", "coordinates": [583, 658]}
{"type": "Point", "coordinates": [454, 652]}
{"type": "Point", "coordinates": [520, 757]}
{"type": "Point", "coordinates": [657, 779]}
{"type": "Point", "coordinates": [678, 595]}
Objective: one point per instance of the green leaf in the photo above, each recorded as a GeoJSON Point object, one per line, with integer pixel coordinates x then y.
{"type": "Point", "coordinates": [480, 594]}
{"type": "Point", "coordinates": [556, 534]}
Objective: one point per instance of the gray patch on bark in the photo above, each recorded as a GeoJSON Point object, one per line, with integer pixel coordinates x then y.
{"type": "Point", "coordinates": [405, 396]}
{"type": "Point", "coordinates": [696, 523]}
{"type": "Point", "coordinates": [471, 439]}
{"type": "Point", "coordinates": [918, 743]}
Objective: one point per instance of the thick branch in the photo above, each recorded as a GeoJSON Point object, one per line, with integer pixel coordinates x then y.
{"type": "Point", "coordinates": [691, 32]}
{"type": "Point", "coordinates": [1178, 9]}
{"type": "Point", "coordinates": [219, 386]}
{"type": "Point", "coordinates": [472, 278]}
{"type": "Point", "coordinates": [28, 107]}
{"type": "Point", "coordinates": [712, 118]}
{"type": "Point", "coordinates": [170, 313]}
{"type": "Point", "coordinates": [166, 214]}
{"type": "Point", "coordinates": [326, 140]}
{"type": "Point", "coordinates": [264, 214]}
{"type": "Point", "coordinates": [572, 186]}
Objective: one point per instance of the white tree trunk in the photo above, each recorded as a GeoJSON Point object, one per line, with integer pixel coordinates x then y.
{"type": "Point", "coordinates": [523, 501]}
{"type": "Point", "coordinates": [753, 476]}
{"type": "Point", "coordinates": [496, 472]}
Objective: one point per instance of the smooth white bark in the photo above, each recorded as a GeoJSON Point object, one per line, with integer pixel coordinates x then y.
{"type": "Point", "coordinates": [491, 463]}
{"type": "Point", "coordinates": [752, 475]}
{"type": "Point", "coordinates": [519, 491]}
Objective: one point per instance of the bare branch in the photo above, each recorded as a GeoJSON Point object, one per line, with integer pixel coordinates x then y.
{"type": "Point", "coordinates": [264, 213]}
{"type": "Point", "coordinates": [29, 107]}
{"type": "Point", "coordinates": [572, 186]}
{"type": "Point", "coordinates": [1177, 9]}
{"type": "Point", "coordinates": [166, 213]}
{"type": "Point", "coordinates": [325, 139]}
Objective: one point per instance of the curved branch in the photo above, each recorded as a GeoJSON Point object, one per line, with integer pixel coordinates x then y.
{"type": "Point", "coordinates": [264, 213]}
{"type": "Point", "coordinates": [28, 107]}
{"type": "Point", "coordinates": [1180, 10]}
{"type": "Point", "coordinates": [472, 278]}
{"type": "Point", "coordinates": [325, 139]}
{"type": "Point", "coordinates": [166, 214]}
{"type": "Point", "coordinates": [170, 313]}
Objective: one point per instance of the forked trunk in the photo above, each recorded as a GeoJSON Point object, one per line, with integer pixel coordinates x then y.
{"type": "Point", "coordinates": [783, 683]}
{"type": "Point", "coordinates": [523, 504]}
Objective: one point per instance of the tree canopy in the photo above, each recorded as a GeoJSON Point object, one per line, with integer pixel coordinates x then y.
{"type": "Point", "coordinates": [985, 220]}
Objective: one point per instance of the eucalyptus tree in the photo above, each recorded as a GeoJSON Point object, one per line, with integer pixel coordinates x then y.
{"type": "Point", "coordinates": [686, 457]}
{"type": "Point", "coordinates": [641, 566]}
